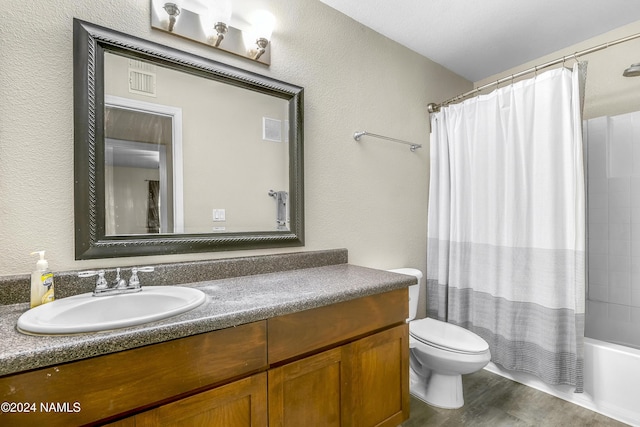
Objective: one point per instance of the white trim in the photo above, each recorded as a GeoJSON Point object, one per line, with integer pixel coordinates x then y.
{"type": "Point", "coordinates": [176, 115]}
{"type": "Point", "coordinates": [164, 220]}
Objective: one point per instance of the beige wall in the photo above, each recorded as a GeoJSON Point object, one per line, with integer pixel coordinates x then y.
{"type": "Point", "coordinates": [368, 197]}
{"type": "Point", "coordinates": [607, 91]}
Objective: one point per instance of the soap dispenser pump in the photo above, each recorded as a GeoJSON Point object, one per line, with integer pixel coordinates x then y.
{"type": "Point", "coordinates": [42, 289]}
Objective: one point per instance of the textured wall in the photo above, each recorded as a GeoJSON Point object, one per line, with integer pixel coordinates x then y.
{"type": "Point", "coordinates": [368, 197]}
{"type": "Point", "coordinates": [607, 92]}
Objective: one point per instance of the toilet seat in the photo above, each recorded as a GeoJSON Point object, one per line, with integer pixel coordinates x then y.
{"type": "Point", "coordinates": [447, 336]}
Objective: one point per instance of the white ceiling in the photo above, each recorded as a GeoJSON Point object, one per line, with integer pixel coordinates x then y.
{"type": "Point", "coordinates": [477, 39]}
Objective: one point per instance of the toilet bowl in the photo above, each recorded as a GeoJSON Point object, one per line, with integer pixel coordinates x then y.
{"type": "Point", "coordinates": [440, 353]}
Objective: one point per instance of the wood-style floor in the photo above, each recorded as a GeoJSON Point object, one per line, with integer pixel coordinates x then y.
{"type": "Point", "coordinates": [492, 400]}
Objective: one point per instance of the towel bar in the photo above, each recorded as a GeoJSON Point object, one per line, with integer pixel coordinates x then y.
{"type": "Point", "coordinates": [358, 134]}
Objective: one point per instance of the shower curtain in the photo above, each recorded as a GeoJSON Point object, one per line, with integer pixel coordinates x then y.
{"type": "Point", "coordinates": [506, 229]}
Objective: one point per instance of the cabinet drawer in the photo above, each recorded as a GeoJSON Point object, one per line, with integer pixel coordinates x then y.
{"type": "Point", "coordinates": [117, 383]}
{"type": "Point", "coordinates": [301, 333]}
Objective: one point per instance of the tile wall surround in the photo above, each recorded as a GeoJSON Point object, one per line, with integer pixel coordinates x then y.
{"type": "Point", "coordinates": [16, 289]}
{"type": "Point", "coordinates": [613, 174]}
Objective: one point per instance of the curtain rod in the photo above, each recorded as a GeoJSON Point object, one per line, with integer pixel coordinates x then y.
{"type": "Point", "coordinates": [433, 107]}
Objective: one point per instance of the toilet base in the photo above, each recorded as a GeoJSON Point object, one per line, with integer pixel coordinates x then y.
{"type": "Point", "coordinates": [442, 391]}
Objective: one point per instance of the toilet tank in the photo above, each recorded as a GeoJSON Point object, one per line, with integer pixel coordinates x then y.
{"type": "Point", "coordinates": [414, 290]}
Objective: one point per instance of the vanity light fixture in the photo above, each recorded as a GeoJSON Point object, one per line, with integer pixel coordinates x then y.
{"type": "Point", "coordinates": [209, 22]}
{"type": "Point", "coordinates": [216, 22]}
{"type": "Point", "coordinates": [263, 23]}
{"type": "Point", "coordinates": [172, 8]}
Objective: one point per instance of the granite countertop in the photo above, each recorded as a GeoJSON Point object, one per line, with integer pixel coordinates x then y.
{"type": "Point", "coordinates": [230, 302]}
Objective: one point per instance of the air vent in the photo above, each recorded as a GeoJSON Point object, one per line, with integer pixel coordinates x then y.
{"type": "Point", "coordinates": [142, 78]}
{"type": "Point", "coordinates": [271, 129]}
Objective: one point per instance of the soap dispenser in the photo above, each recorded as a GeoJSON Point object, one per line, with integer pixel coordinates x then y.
{"type": "Point", "coordinates": [41, 282]}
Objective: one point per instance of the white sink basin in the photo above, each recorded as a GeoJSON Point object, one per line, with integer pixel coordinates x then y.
{"type": "Point", "coordinates": [86, 313]}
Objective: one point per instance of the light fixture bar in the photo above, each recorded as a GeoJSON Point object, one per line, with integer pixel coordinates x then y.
{"type": "Point", "coordinates": [188, 27]}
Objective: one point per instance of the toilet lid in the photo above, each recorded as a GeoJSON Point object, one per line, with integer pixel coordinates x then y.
{"type": "Point", "coordinates": [447, 336]}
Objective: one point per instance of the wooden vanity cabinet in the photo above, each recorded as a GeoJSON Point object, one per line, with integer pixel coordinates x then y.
{"type": "Point", "coordinates": [131, 381]}
{"type": "Point", "coordinates": [358, 384]}
{"type": "Point", "coordinates": [344, 364]}
{"type": "Point", "coordinates": [376, 388]}
{"type": "Point", "coordinates": [364, 382]}
{"type": "Point", "coordinates": [308, 392]}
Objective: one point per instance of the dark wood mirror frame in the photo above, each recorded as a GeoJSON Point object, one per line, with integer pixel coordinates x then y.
{"type": "Point", "coordinates": [90, 42]}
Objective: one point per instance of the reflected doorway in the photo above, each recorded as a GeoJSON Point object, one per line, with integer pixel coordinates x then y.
{"type": "Point", "coordinates": [143, 168]}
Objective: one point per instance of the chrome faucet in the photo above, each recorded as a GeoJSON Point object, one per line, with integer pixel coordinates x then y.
{"type": "Point", "coordinates": [119, 285]}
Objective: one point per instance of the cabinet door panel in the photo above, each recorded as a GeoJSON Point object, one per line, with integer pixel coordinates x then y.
{"type": "Point", "coordinates": [377, 393]}
{"type": "Point", "coordinates": [240, 404]}
{"type": "Point", "coordinates": [307, 392]}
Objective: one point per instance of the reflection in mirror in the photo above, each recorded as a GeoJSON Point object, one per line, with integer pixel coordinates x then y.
{"type": "Point", "coordinates": [177, 153]}
{"type": "Point", "coordinates": [139, 153]}
{"type": "Point", "coordinates": [233, 142]}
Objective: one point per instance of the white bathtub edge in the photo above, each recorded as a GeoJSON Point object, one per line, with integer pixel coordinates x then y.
{"type": "Point", "coordinates": [566, 393]}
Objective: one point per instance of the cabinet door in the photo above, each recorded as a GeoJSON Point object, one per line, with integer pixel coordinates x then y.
{"type": "Point", "coordinates": [239, 404]}
{"type": "Point", "coordinates": [307, 392]}
{"type": "Point", "coordinates": [377, 368]}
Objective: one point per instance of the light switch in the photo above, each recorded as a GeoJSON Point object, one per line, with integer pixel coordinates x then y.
{"type": "Point", "coordinates": [219, 215]}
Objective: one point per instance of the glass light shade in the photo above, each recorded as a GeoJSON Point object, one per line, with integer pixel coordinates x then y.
{"type": "Point", "coordinates": [217, 11]}
{"type": "Point", "coordinates": [263, 23]}
{"type": "Point", "coordinates": [220, 11]}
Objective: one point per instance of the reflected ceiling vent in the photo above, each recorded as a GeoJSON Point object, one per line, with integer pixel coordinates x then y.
{"type": "Point", "coordinates": [142, 78]}
{"type": "Point", "coordinates": [271, 129]}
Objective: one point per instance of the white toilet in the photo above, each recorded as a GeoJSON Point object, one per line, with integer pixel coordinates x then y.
{"type": "Point", "coordinates": [440, 353]}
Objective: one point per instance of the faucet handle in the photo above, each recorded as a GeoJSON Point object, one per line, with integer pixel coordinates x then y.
{"type": "Point", "coordinates": [101, 282]}
{"type": "Point", "coordinates": [134, 281]}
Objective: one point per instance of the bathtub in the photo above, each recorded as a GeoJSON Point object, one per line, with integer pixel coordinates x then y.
{"type": "Point", "coordinates": [611, 381]}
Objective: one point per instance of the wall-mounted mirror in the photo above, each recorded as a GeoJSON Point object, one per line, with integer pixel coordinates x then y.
{"type": "Point", "coordinates": [176, 153]}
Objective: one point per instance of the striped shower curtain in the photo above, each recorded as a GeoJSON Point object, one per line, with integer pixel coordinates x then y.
{"type": "Point", "coordinates": [506, 232]}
